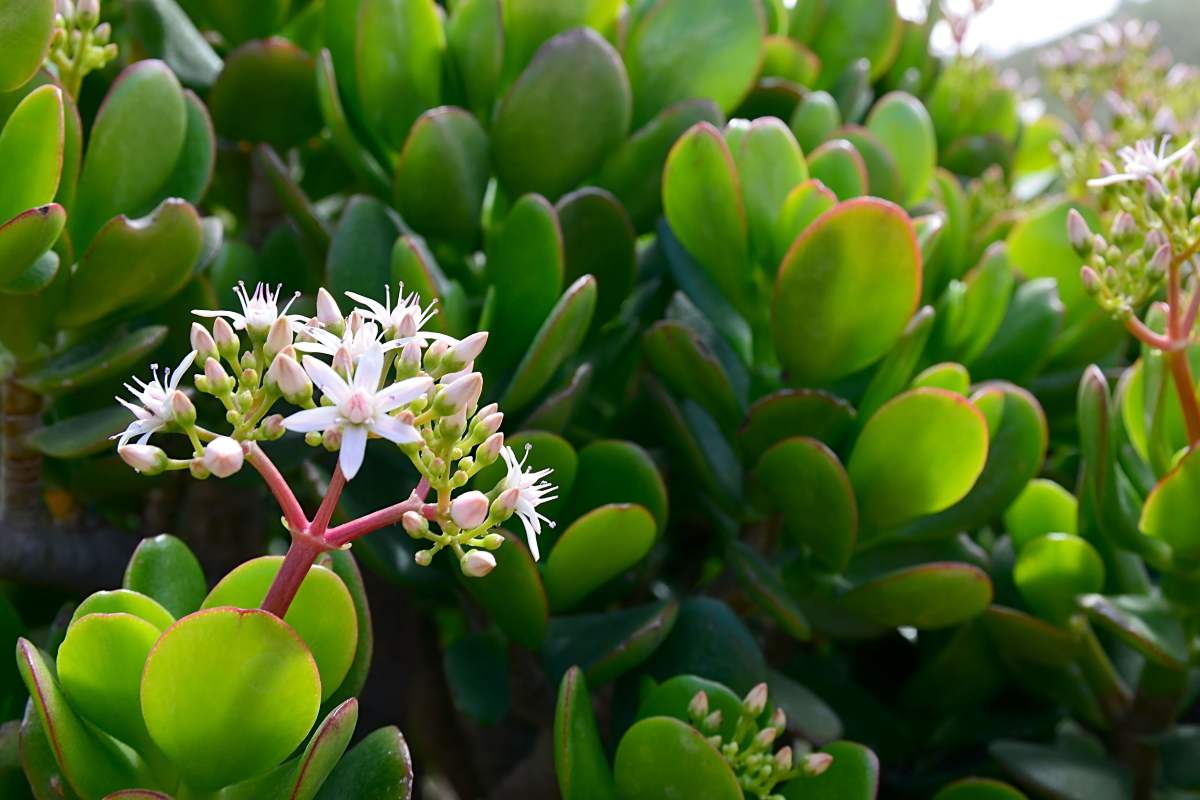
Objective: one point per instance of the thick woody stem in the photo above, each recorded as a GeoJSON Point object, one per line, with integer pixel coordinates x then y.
{"type": "Point", "coordinates": [22, 464]}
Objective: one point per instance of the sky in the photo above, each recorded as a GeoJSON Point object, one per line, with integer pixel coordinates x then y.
{"type": "Point", "coordinates": [1016, 24]}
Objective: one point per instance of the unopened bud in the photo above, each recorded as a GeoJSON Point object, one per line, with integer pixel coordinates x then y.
{"type": "Point", "coordinates": [783, 759]}
{"type": "Point", "coordinates": [467, 350]}
{"type": "Point", "coordinates": [1156, 195]}
{"type": "Point", "coordinates": [816, 763]}
{"type": "Point", "coordinates": [434, 355]}
{"type": "Point", "coordinates": [1107, 170]}
{"type": "Point", "coordinates": [87, 13]}
{"type": "Point", "coordinates": [1124, 228]}
{"type": "Point", "coordinates": [698, 707]}
{"type": "Point", "coordinates": [756, 700]}
{"type": "Point", "coordinates": [203, 342]}
{"type": "Point", "coordinates": [183, 413]}
{"type": "Point", "coordinates": [459, 395]}
{"type": "Point", "coordinates": [273, 427]}
{"type": "Point", "coordinates": [490, 424]}
{"type": "Point", "coordinates": [331, 439]}
{"type": "Point", "coordinates": [279, 337]}
{"type": "Point", "coordinates": [409, 363]}
{"type": "Point", "coordinates": [223, 456]}
{"type": "Point", "coordinates": [1189, 167]}
{"type": "Point", "coordinates": [489, 451]}
{"type": "Point", "coordinates": [477, 563]}
{"type": "Point", "coordinates": [227, 340]}
{"type": "Point", "coordinates": [414, 524]}
{"type": "Point", "coordinates": [343, 362]}
{"type": "Point", "coordinates": [218, 380]}
{"type": "Point", "coordinates": [469, 510]}
{"type": "Point", "coordinates": [423, 557]}
{"type": "Point", "coordinates": [328, 313]}
{"type": "Point", "coordinates": [504, 505]}
{"type": "Point", "coordinates": [1079, 233]}
{"type": "Point", "coordinates": [1159, 263]}
{"type": "Point", "coordinates": [493, 541]}
{"type": "Point", "coordinates": [765, 737]}
{"type": "Point", "coordinates": [286, 374]}
{"type": "Point", "coordinates": [145, 458]}
{"type": "Point", "coordinates": [778, 719]}
{"type": "Point", "coordinates": [712, 722]}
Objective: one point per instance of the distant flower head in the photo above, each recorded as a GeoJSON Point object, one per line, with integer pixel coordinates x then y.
{"type": "Point", "coordinates": [153, 409]}
{"type": "Point", "coordinates": [1143, 160]}
{"type": "Point", "coordinates": [259, 310]}
{"type": "Point", "coordinates": [528, 491]}
{"type": "Point", "coordinates": [403, 321]}
{"type": "Point", "coordinates": [358, 341]}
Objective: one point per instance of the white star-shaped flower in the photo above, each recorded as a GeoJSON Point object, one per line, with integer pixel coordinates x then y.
{"type": "Point", "coordinates": [1143, 161]}
{"type": "Point", "coordinates": [403, 321]}
{"type": "Point", "coordinates": [360, 408]}
{"type": "Point", "coordinates": [532, 491]}
{"type": "Point", "coordinates": [367, 338]}
{"type": "Point", "coordinates": [259, 310]}
{"type": "Point", "coordinates": [152, 409]}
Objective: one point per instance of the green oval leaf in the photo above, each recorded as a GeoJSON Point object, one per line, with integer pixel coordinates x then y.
{"type": "Point", "coordinates": [513, 594]}
{"type": "Point", "coordinates": [609, 644]}
{"type": "Point", "coordinates": [661, 758]}
{"type": "Point", "coordinates": [399, 64]}
{"type": "Point", "coordinates": [614, 471]}
{"type": "Point", "coordinates": [690, 369]}
{"type": "Point", "coordinates": [94, 361]}
{"type": "Point", "coordinates": [925, 597]}
{"type": "Point", "coordinates": [475, 43]}
{"type": "Point", "coordinates": [1060, 773]}
{"type": "Point", "coordinates": [1149, 625]}
{"type": "Point", "coordinates": [1023, 637]}
{"type": "Point", "coordinates": [1042, 507]}
{"type": "Point", "coordinates": [25, 29]}
{"type": "Point", "coordinates": [26, 238]}
{"type": "Point", "coordinates": [838, 165]}
{"type": "Point", "coordinates": [794, 412]}
{"type": "Point", "coordinates": [854, 29]}
{"type": "Point", "coordinates": [195, 699]}
{"type": "Point", "coordinates": [597, 547]}
{"type": "Point", "coordinates": [710, 641]}
{"type": "Point", "coordinates": [1053, 570]}
{"type": "Point", "coordinates": [442, 174]}
{"type": "Point", "coordinates": [599, 240]}
{"type": "Point", "coordinates": [770, 165]}
{"type": "Point", "coordinates": [579, 761]}
{"type": "Point", "coordinates": [322, 613]}
{"type": "Point", "coordinates": [905, 128]}
{"type": "Point", "coordinates": [377, 768]}
{"type": "Point", "coordinates": [31, 152]}
{"type": "Point", "coordinates": [266, 93]}
{"type": "Point", "coordinates": [125, 601]}
{"type": "Point", "coordinates": [763, 585]}
{"type": "Point", "coordinates": [81, 435]}
{"type": "Point", "coordinates": [803, 205]}
{"type": "Point", "coordinates": [853, 775]}
{"type": "Point", "coordinates": [164, 569]}
{"type": "Point", "coordinates": [815, 119]}
{"type": "Point", "coordinates": [566, 112]}
{"type": "Point", "coordinates": [1172, 510]}
{"type": "Point", "coordinates": [166, 32]}
{"type": "Point", "coordinates": [845, 290]}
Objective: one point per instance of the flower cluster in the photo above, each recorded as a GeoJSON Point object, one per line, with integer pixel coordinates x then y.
{"type": "Point", "coordinates": [372, 374]}
{"type": "Point", "coordinates": [81, 42]}
{"type": "Point", "coordinates": [749, 749]}
{"type": "Point", "coordinates": [1153, 211]}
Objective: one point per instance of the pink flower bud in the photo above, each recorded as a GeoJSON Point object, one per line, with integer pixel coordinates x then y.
{"type": "Point", "coordinates": [223, 456]}
{"type": "Point", "coordinates": [226, 339]}
{"type": "Point", "coordinates": [469, 348]}
{"type": "Point", "coordinates": [1078, 232]}
{"type": "Point", "coordinates": [286, 373]}
{"type": "Point", "coordinates": [491, 423]}
{"type": "Point", "coordinates": [816, 763]}
{"type": "Point", "coordinates": [783, 759]}
{"type": "Point", "coordinates": [756, 700]}
{"type": "Point", "coordinates": [183, 413]}
{"type": "Point", "coordinates": [469, 510]}
{"type": "Point", "coordinates": [279, 337]}
{"type": "Point", "coordinates": [414, 524]}
{"type": "Point", "coordinates": [146, 459]}
{"type": "Point", "coordinates": [779, 719]}
{"type": "Point", "coordinates": [202, 342]}
{"type": "Point", "coordinates": [489, 451]}
{"type": "Point", "coordinates": [460, 395]}
{"type": "Point", "coordinates": [765, 737]}
{"type": "Point", "coordinates": [343, 362]}
{"type": "Point", "coordinates": [328, 313]}
{"type": "Point", "coordinates": [504, 505]}
{"type": "Point", "coordinates": [477, 563]}
{"type": "Point", "coordinates": [698, 707]}
{"type": "Point", "coordinates": [219, 382]}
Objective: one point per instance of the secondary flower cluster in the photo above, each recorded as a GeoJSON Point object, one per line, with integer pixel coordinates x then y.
{"type": "Point", "coordinates": [1153, 211]}
{"type": "Point", "coordinates": [378, 375]}
{"type": "Point", "coordinates": [749, 749]}
{"type": "Point", "coordinates": [80, 43]}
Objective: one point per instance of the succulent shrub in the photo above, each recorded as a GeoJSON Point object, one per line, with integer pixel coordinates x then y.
{"type": "Point", "coordinates": [849, 406]}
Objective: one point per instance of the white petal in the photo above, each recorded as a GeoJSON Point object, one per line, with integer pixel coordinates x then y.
{"type": "Point", "coordinates": [1120, 177]}
{"type": "Point", "coordinates": [370, 367]}
{"type": "Point", "coordinates": [312, 419]}
{"type": "Point", "coordinates": [239, 320]}
{"type": "Point", "coordinates": [181, 369]}
{"type": "Point", "coordinates": [354, 446]}
{"type": "Point", "coordinates": [328, 381]}
{"type": "Point", "coordinates": [403, 392]}
{"type": "Point", "coordinates": [396, 431]}
{"type": "Point", "coordinates": [377, 308]}
{"type": "Point", "coordinates": [316, 347]}
{"type": "Point", "coordinates": [531, 537]}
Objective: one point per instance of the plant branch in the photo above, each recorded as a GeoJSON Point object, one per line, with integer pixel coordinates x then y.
{"type": "Point", "coordinates": [292, 512]}
{"type": "Point", "coordinates": [320, 522]}
{"type": "Point", "coordinates": [349, 531]}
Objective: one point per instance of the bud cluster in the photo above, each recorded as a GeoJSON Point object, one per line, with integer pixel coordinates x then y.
{"type": "Point", "coordinates": [1151, 219]}
{"type": "Point", "coordinates": [372, 374]}
{"type": "Point", "coordinates": [80, 42]}
{"type": "Point", "coordinates": [750, 749]}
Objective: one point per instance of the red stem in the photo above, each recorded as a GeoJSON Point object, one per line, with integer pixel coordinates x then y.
{"type": "Point", "coordinates": [320, 522]}
{"type": "Point", "coordinates": [1181, 370]}
{"type": "Point", "coordinates": [349, 531]}
{"type": "Point", "coordinates": [1142, 333]}
{"type": "Point", "coordinates": [299, 559]}
{"type": "Point", "coordinates": [288, 503]}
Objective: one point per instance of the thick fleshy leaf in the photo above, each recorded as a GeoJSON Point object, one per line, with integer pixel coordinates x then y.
{"type": "Point", "coordinates": [1070, 775]}
{"type": "Point", "coordinates": [266, 93]}
{"type": "Point", "coordinates": [803, 205]}
{"type": "Point", "coordinates": [360, 254]}
{"type": "Point", "coordinates": [677, 50]}
{"type": "Point", "coordinates": [608, 644]}
{"type": "Point", "coordinates": [1053, 570]}
{"type": "Point", "coordinates": [794, 412]}
{"type": "Point", "coordinates": [710, 641]}
{"type": "Point", "coordinates": [25, 29]}
{"type": "Point", "coordinates": [926, 597]}
{"type": "Point", "coordinates": [854, 29]}
{"type": "Point", "coordinates": [971, 311]}
{"type": "Point", "coordinates": [26, 238]}
{"type": "Point", "coordinates": [807, 714]}
{"type": "Point", "coordinates": [132, 261]}
{"type": "Point", "coordinates": [164, 569]}
{"type": "Point", "coordinates": [477, 676]}
{"type": "Point", "coordinates": [634, 171]}
{"type": "Point", "coordinates": [414, 266]}
{"type": "Point", "coordinates": [787, 58]}
{"type": "Point", "coordinates": [807, 483]}
{"type": "Point", "coordinates": [142, 122]}
{"type": "Point", "coordinates": [302, 777]}
{"type": "Point", "coordinates": [661, 758]}
{"type": "Point", "coordinates": [81, 435]}
{"type": "Point", "coordinates": [671, 698]}
{"type": "Point", "coordinates": [559, 337]}
{"type": "Point", "coordinates": [195, 702]}
{"type": "Point", "coordinates": [31, 152]}
{"type": "Point", "coordinates": [513, 595]}
{"type": "Point", "coordinates": [920, 453]}
{"type": "Point", "coordinates": [839, 167]}
{"type": "Point", "coordinates": [568, 111]}
{"type": "Point", "coordinates": [904, 127]}
{"type": "Point", "coordinates": [93, 763]}
{"type": "Point", "coordinates": [597, 547]}
{"type": "Point", "coordinates": [883, 173]}
{"type": "Point", "coordinates": [399, 60]}
{"type": "Point", "coordinates": [525, 268]}
{"type": "Point", "coordinates": [322, 613]}
{"type": "Point", "coordinates": [1172, 511]}
{"type": "Point", "coordinates": [815, 119]}
{"type": "Point", "coordinates": [947, 375]}
{"type": "Point", "coordinates": [125, 601]}
{"type": "Point", "coordinates": [690, 369]}
{"type": "Point", "coordinates": [556, 411]}
{"type": "Point", "coordinates": [599, 240]}
{"type": "Point", "coordinates": [100, 666]}
{"type": "Point", "coordinates": [346, 567]}
{"type": "Point", "coordinates": [579, 760]}
{"type": "Point", "coordinates": [475, 43]}
{"type": "Point", "coordinates": [94, 361]}
{"type": "Point", "coordinates": [1147, 624]}
{"type": "Point", "coordinates": [1038, 247]}
{"type": "Point", "coordinates": [702, 198]}
{"type": "Point", "coordinates": [333, 114]}
{"type": "Point", "coordinates": [978, 789]}
{"type": "Point", "coordinates": [377, 768]}
{"type": "Point", "coordinates": [1023, 342]}
{"type": "Point", "coordinates": [527, 25]}
{"type": "Point", "coordinates": [1042, 507]}
{"type": "Point", "coordinates": [845, 291]}
{"type": "Point", "coordinates": [166, 32]}
{"type": "Point", "coordinates": [853, 775]}
{"type": "Point", "coordinates": [239, 22]}
{"type": "Point", "coordinates": [614, 471]}
{"type": "Point", "coordinates": [770, 165]}
{"type": "Point", "coordinates": [442, 174]}
{"type": "Point", "coordinates": [762, 583]}
{"type": "Point", "coordinates": [1023, 637]}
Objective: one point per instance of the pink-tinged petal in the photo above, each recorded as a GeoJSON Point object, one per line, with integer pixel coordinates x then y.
{"type": "Point", "coordinates": [395, 431]}
{"type": "Point", "coordinates": [1120, 177]}
{"type": "Point", "coordinates": [312, 419]}
{"type": "Point", "coordinates": [366, 374]}
{"type": "Point", "coordinates": [328, 381]}
{"type": "Point", "coordinates": [403, 392]}
{"type": "Point", "coordinates": [354, 446]}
